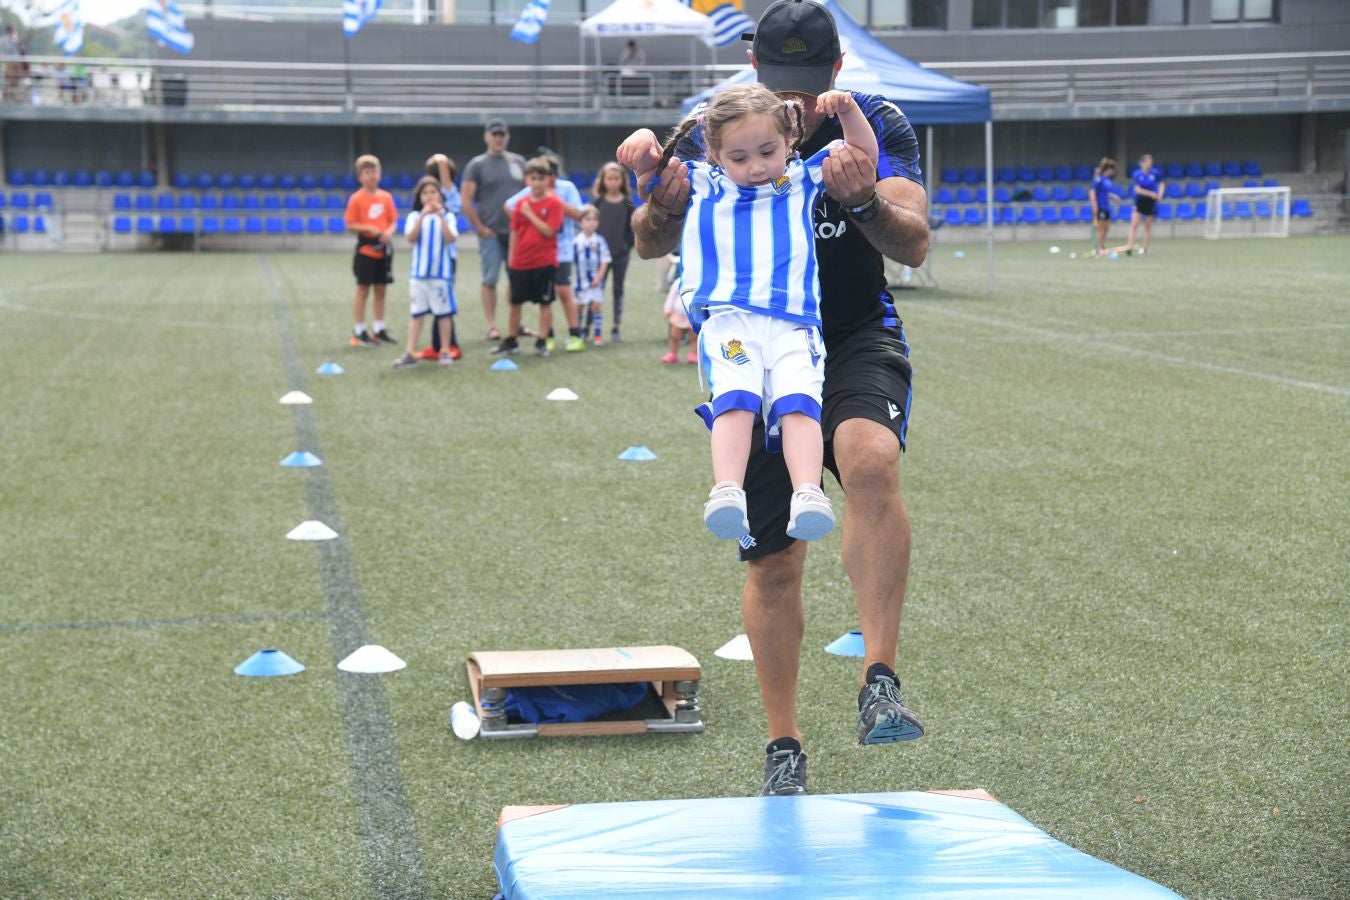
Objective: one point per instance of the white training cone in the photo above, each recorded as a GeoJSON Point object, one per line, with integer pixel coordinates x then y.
{"type": "Point", "coordinates": [371, 659]}
{"type": "Point", "coordinates": [736, 648]}
{"type": "Point", "coordinates": [296, 398]}
{"type": "Point", "coordinates": [311, 531]}
{"type": "Point", "coordinates": [561, 394]}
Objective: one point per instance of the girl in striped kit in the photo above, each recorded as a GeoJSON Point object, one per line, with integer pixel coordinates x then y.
{"type": "Point", "coordinates": [750, 286]}
{"type": "Point", "coordinates": [431, 231]}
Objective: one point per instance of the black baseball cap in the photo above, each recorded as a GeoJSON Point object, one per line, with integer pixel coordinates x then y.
{"type": "Point", "coordinates": [495, 126]}
{"type": "Point", "coordinates": [796, 46]}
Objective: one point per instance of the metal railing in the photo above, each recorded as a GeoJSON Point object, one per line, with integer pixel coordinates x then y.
{"type": "Point", "coordinates": [1025, 89]}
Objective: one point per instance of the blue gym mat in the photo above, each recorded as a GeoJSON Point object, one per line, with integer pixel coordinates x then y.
{"type": "Point", "coordinates": [911, 844]}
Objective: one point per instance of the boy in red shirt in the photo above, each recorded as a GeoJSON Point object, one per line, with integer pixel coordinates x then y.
{"type": "Point", "coordinates": [533, 257]}
{"type": "Point", "coordinates": [371, 214]}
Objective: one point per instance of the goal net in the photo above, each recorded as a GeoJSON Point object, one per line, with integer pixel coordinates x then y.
{"type": "Point", "coordinates": [1247, 212]}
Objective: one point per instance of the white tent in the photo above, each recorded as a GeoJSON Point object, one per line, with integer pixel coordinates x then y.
{"type": "Point", "coordinates": [646, 18]}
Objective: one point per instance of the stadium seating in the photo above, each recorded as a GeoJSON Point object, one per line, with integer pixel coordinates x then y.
{"type": "Point", "coordinates": [1195, 190]}
{"type": "Point", "coordinates": [103, 178]}
{"type": "Point", "coordinates": [267, 181]}
{"type": "Point", "coordinates": [225, 181]}
{"type": "Point", "coordinates": [1078, 192]}
{"type": "Point", "coordinates": [18, 178]}
{"type": "Point", "coordinates": [1164, 212]}
{"type": "Point", "coordinates": [229, 201]}
{"type": "Point", "coordinates": [1005, 175]}
{"type": "Point", "coordinates": [182, 181]}
{"type": "Point", "coordinates": [336, 225]}
{"type": "Point", "coordinates": [19, 200]}
{"type": "Point", "coordinates": [315, 225]}
{"type": "Point", "coordinates": [121, 201]}
{"type": "Point", "coordinates": [950, 175]}
{"type": "Point", "coordinates": [1040, 194]}
{"type": "Point", "coordinates": [245, 181]}
{"type": "Point", "coordinates": [328, 181]}
{"type": "Point", "coordinates": [1068, 214]}
{"type": "Point", "coordinates": [973, 216]}
{"type": "Point", "coordinates": [1002, 195]}
{"type": "Point", "coordinates": [145, 201]}
{"type": "Point", "coordinates": [165, 201]}
{"type": "Point", "coordinates": [18, 224]}
{"type": "Point", "coordinates": [965, 195]}
{"type": "Point", "coordinates": [335, 201]}
{"type": "Point", "coordinates": [145, 180]}
{"type": "Point", "coordinates": [275, 225]}
{"type": "Point", "coordinates": [1064, 173]}
{"type": "Point", "coordinates": [210, 225]}
{"type": "Point", "coordinates": [1029, 215]}
{"type": "Point", "coordinates": [271, 201]}
{"type": "Point", "coordinates": [1174, 171]}
{"type": "Point", "coordinates": [204, 181]}
{"type": "Point", "coordinates": [1195, 170]}
{"type": "Point", "coordinates": [250, 201]}
{"type": "Point", "coordinates": [40, 178]}
{"type": "Point", "coordinates": [187, 201]}
{"type": "Point", "coordinates": [1060, 193]}
{"type": "Point", "coordinates": [313, 201]}
{"type": "Point", "coordinates": [210, 201]}
{"type": "Point", "coordinates": [229, 224]}
{"type": "Point", "coordinates": [952, 216]}
{"type": "Point", "coordinates": [292, 201]}
{"type": "Point", "coordinates": [348, 182]}
{"type": "Point", "coordinates": [944, 196]}
{"type": "Point", "coordinates": [1185, 212]}
{"type": "Point", "coordinates": [1026, 173]}
{"type": "Point", "coordinates": [295, 225]}
{"type": "Point", "coordinates": [1045, 173]}
{"type": "Point", "coordinates": [1301, 208]}
{"type": "Point", "coordinates": [309, 182]}
{"type": "Point", "coordinates": [288, 182]}
{"type": "Point", "coordinates": [1050, 215]}
{"type": "Point", "coordinates": [972, 175]}
{"type": "Point", "coordinates": [122, 224]}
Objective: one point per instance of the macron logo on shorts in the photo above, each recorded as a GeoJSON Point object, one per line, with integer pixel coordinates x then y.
{"type": "Point", "coordinates": [747, 542]}
{"type": "Point", "coordinates": [891, 408]}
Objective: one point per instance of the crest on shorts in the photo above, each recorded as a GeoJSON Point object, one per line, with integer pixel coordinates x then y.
{"type": "Point", "coordinates": [734, 352]}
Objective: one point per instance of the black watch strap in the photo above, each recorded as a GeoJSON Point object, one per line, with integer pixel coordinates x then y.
{"type": "Point", "coordinates": [864, 213]}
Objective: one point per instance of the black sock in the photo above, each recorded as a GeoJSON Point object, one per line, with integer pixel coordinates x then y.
{"type": "Point", "coordinates": [784, 743]}
{"type": "Point", "coordinates": [876, 669]}
{"type": "Point", "coordinates": [577, 332]}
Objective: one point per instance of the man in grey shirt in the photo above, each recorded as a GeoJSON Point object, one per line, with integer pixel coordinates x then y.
{"type": "Point", "coordinates": [490, 179]}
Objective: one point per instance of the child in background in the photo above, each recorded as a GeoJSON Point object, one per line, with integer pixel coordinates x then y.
{"type": "Point", "coordinates": [755, 302]}
{"type": "Point", "coordinates": [443, 169]}
{"type": "Point", "coordinates": [676, 318]}
{"type": "Point", "coordinates": [614, 199]}
{"type": "Point", "coordinates": [532, 260]}
{"type": "Point", "coordinates": [431, 230]}
{"type": "Point", "coordinates": [372, 215]}
{"type": "Point", "coordinates": [590, 263]}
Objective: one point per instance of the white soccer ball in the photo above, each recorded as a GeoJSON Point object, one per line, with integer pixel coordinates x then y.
{"type": "Point", "coordinates": [1054, 249]}
{"type": "Point", "coordinates": [1072, 255]}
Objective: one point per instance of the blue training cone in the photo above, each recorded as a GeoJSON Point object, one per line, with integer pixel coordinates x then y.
{"type": "Point", "coordinates": [302, 459]}
{"type": "Point", "coordinates": [505, 365]}
{"type": "Point", "coordinates": [266, 663]}
{"type": "Point", "coordinates": [637, 453]}
{"type": "Point", "coordinates": [850, 644]}
{"type": "Point", "coordinates": [329, 368]}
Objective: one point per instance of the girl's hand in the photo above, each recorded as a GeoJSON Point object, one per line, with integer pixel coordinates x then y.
{"type": "Point", "coordinates": [831, 103]}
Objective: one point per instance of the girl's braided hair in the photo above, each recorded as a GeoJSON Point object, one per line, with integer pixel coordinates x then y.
{"type": "Point", "coordinates": [731, 106]}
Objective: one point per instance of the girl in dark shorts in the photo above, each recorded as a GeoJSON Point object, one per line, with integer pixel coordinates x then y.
{"type": "Point", "coordinates": [1102, 198]}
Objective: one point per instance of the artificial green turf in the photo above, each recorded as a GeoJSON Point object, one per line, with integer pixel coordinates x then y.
{"type": "Point", "coordinates": [1126, 616]}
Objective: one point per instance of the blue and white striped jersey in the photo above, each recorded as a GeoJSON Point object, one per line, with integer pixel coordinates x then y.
{"type": "Point", "coordinates": [752, 247]}
{"type": "Point", "coordinates": [588, 255]}
{"type": "Point", "coordinates": [431, 253]}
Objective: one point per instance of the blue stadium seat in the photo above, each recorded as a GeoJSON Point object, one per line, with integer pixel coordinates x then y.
{"type": "Point", "coordinates": [951, 175]}
{"type": "Point", "coordinates": [1085, 212]}
{"type": "Point", "coordinates": [61, 178]}
{"type": "Point", "coordinates": [1202, 209]}
{"type": "Point", "coordinates": [1195, 170]}
{"type": "Point", "coordinates": [386, 181]}
{"type": "Point", "coordinates": [1251, 183]}
{"type": "Point", "coordinates": [165, 201]}
{"type": "Point", "coordinates": [971, 175]}
{"type": "Point", "coordinates": [40, 224]}
{"type": "Point", "coordinates": [267, 181]}
{"type": "Point", "coordinates": [1060, 193]}
{"type": "Point", "coordinates": [225, 181]}
{"type": "Point", "coordinates": [583, 180]}
{"type": "Point", "coordinates": [1026, 173]}
{"type": "Point", "coordinates": [275, 225]}
{"type": "Point", "coordinates": [1045, 173]}
{"type": "Point", "coordinates": [43, 200]}
{"type": "Point", "coordinates": [1262, 209]}
{"type": "Point", "coordinates": [295, 225]}
{"type": "Point", "coordinates": [253, 225]}
{"type": "Point", "coordinates": [335, 201]}
{"type": "Point", "coordinates": [145, 224]}
{"type": "Point", "coordinates": [952, 216]}
{"type": "Point", "coordinates": [1174, 170]}
{"type": "Point", "coordinates": [315, 224]}
{"type": "Point", "coordinates": [1082, 172]}
{"type": "Point", "coordinates": [965, 195]}
{"type": "Point", "coordinates": [271, 201]}
{"type": "Point", "coordinates": [1301, 208]}
{"type": "Point", "coordinates": [1251, 167]}
{"type": "Point", "coordinates": [336, 225]}
{"type": "Point", "coordinates": [1213, 168]}
{"type": "Point", "coordinates": [945, 196]}
{"type": "Point", "coordinates": [145, 201]}
{"type": "Point", "coordinates": [1004, 215]}
{"type": "Point", "coordinates": [229, 224]}
{"type": "Point", "coordinates": [1040, 194]}
{"type": "Point", "coordinates": [1050, 215]}
{"type": "Point", "coordinates": [981, 194]}
{"type": "Point", "coordinates": [1029, 215]}
{"type": "Point", "coordinates": [309, 182]}
{"type": "Point", "coordinates": [204, 181]}
{"type": "Point", "coordinates": [349, 182]}
{"type": "Point", "coordinates": [313, 201]}
{"type": "Point", "coordinates": [187, 201]}
{"type": "Point", "coordinates": [229, 201]}
{"type": "Point", "coordinates": [210, 201]}
{"type": "Point", "coordinates": [145, 180]}
{"type": "Point", "coordinates": [2, 199]}
{"type": "Point", "coordinates": [292, 201]}
{"type": "Point", "coordinates": [182, 181]}
{"type": "Point", "coordinates": [1002, 195]}
{"type": "Point", "coordinates": [1078, 192]}
{"type": "Point", "coordinates": [404, 181]}
{"type": "Point", "coordinates": [973, 216]}
{"type": "Point", "coordinates": [122, 224]}
{"type": "Point", "coordinates": [1212, 186]}
{"type": "Point", "coordinates": [40, 178]}
{"type": "Point", "coordinates": [328, 181]}
{"type": "Point", "coordinates": [103, 178]}
{"type": "Point", "coordinates": [210, 225]}
{"type": "Point", "coordinates": [18, 224]}
{"type": "Point", "coordinates": [288, 182]}
{"type": "Point", "coordinates": [1242, 209]}
{"type": "Point", "coordinates": [1164, 212]}
{"type": "Point", "coordinates": [1064, 173]}
{"type": "Point", "coordinates": [1123, 212]}
{"type": "Point", "coordinates": [1271, 182]}
{"type": "Point", "coordinates": [1185, 212]}
{"type": "Point", "coordinates": [167, 225]}
{"type": "Point", "coordinates": [124, 179]}
{"type": "Point", "coordinates": [82, 178]}
{"type": "Point", "coordinates": [251, 201]}
{"type": "Point", "coordinates": [1068, 214]}
{"type": "Point", "coordinates": [1232, 168]}
{"type": "Point", "coordinates": [1195, 190]}
{"type": "Point", "coordinates": [17, 178]}
{"type": "Point", "coordinates": [20, 200]}
{"type": "Point", "coordinates": [1005, 175]}
{"type": "Point", "coordinates": [246, 181]}
{"type": "Point", "coordinates": [120, 201]}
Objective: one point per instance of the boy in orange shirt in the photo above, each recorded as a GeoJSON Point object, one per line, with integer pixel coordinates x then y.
{"type": "Point", "coordinates": [533, 258]}
{"type": "Point", "coordinates": [371, 214]}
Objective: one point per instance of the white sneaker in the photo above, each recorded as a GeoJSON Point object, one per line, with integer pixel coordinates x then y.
{"type": "Point", "coordinates": [724, 513]}
{"type": "Point", "coordinates": [811, 516]}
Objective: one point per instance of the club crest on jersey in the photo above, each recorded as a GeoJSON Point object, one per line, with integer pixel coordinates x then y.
{"type": "Point", "coordinates": [781, 184]}
{"type": "Point", "coordinates": [734, 352]}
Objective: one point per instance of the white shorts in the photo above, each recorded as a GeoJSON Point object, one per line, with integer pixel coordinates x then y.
{"type": "Point", "coordinates": [430, 295]}
{"type": "Point", "coordinates": [762, 364]}
{"type": "Point", "coordinates": [590, 295]}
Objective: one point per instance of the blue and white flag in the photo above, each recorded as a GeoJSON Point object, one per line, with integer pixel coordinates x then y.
{"type": "Point", "coordinates": [356, 13]}
{"type": "Point", "coordinates": [729, 19]}
{"type": "Point", "coordinates": [69, 27]}
{"type": "Point", "coordinates": [164, 20]}
{"type": "Point", "coordinates": [531, 22]}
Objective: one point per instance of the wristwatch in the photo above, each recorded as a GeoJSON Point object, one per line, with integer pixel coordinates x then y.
{"type": "Point", "coordinates": [864, 213]}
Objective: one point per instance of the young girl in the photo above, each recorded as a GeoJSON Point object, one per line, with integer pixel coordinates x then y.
{"type": "Point", "coordinates": [676, 318]}
{"type": "Point", "coordinates": [590, 264]}
{"type": "Point", "coordinates": [751, 290]}
{"type": "Point", "coordinates": [1102, 198]}
{"type": "Point", "coordinates": [430, 230]}
{"type": "Point", "coordinates": [614, 200]}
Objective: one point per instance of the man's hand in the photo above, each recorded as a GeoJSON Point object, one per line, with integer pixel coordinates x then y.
{"type": "Point", "coordinates": [849, 175]}
{"type": "Point", "coordinates": [485, 232]}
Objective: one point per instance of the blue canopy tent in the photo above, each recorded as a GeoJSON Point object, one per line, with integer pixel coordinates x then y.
{"type": "Point", "coordinates": [926, 97]}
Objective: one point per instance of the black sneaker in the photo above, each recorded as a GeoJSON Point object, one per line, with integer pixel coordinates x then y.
{"type": "Point", "coordinates": [507, 346]}
{"type": "Point", "coordinates": [784, 774]}
{"type": "Point", "coordinates": [882, 715]}
{"type": "Point", "coordinates": [363, 340]}
{"type": "Point", "coordinates": [541, 347]}
{"type": "Point", "coordinates": [615, 337]}
{"type": "Point", "coordinates": [384, 337]}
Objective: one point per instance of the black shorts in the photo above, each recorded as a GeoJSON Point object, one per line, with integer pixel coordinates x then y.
{"type": "Point", "coordinates": [1103, 215]}
{"type": "Point", "coordinates": [369, 270]}
{"type": "Point", "coordinates": [563, 274]}
{"type": "Point", "coordinates": [532, 285]}
{"type": "Point", "coordinates": [1146, 206]}
{"type": "Point", "coordinates": [867, 376]}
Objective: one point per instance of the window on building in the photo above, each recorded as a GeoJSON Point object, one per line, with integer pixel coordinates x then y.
{"type": "Point", "coordinates": [987, 14]}
{"type": "Point", "coordinates": [1167, 12]}
{"type": "Point", "coordinates": [1023, 13]}
{"type": "Point", "coordinates": [1242, 11]}
{"type": "Point", "coordinates": [1089, 13]}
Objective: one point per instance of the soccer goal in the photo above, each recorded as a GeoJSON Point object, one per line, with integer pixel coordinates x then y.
{"type": "Point", "coordinates": [1247, 212]}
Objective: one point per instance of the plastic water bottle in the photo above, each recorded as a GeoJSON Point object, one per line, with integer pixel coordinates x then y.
{"type": "Point", "coordinates": [464, 721]}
